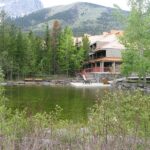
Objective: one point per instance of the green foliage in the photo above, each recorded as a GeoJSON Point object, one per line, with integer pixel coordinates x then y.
{"type": "Point", "coordinates": [136, 40]}
{"type": "Point", "coordinates": [26, 55]}
{"type": "Point", "coordinates": [129, 62]}
{"type": "Point", "coordinates": [66, 51]}
{"type": "Point", "coordinates": [18, 52]}
{"type": "Point", "coordinates": [70, 57]}
{"type": "Point", "coordinates": [121, 113]}
{"type": "Point", "coordinates": [85, 46]}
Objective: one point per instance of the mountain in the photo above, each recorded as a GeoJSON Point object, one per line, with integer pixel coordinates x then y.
{"type": "Point", "coordinates": [17, 8]}
{"type": "Point", "coordinates": [82, 17]}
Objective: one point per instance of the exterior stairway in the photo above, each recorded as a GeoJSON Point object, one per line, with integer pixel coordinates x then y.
{"type": "Point", "coordinates": [89, 77]}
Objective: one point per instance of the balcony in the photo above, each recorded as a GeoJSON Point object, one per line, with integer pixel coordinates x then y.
{"type": "Point", "coordinates": [96, 55]}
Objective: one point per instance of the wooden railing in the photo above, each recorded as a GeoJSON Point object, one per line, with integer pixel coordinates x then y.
{"type": "Point", "coordinates": [99, 69]}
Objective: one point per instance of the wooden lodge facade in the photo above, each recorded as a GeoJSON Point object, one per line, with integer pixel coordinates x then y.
{"type": "Point", "coordinates": [105, 53]}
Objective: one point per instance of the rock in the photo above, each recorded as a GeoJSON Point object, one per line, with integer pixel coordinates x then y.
{"type": "Point", "coordinates": [104, 81]}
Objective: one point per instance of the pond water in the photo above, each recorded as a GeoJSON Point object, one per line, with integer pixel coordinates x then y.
{"type": "Point", "coordinates": [74, 101]}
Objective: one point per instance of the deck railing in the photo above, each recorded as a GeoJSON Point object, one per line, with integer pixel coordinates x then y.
{"type": "Point", "coordinates": [99, 69]}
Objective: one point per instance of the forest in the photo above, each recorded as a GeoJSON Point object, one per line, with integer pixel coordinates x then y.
{"type": "Point", "coordinates": [27, 55]}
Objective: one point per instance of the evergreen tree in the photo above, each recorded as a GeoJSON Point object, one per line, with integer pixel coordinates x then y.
{"type": "Point", "coordinates": [11, 50]}
{"type": "Point", "coordinates": [82, 53]}
{"type": "Point", "coordinates": [20, 55]}
{"type": "Point", "coordinates": [24, 54]}
{"type": "Point", "coordinates": [40, 49]}
{"type": "Point", "coordinates": [66, 50]}
{"type": "Point", "coordinates": [48, 50]}
{"type": "Point", "coordinates": [31, 53]}
{"type": "Point", "coordinates": [70, 56]}
{"type": "Point", "coordinates": [85, 46]}
{"type": "Point", "coordinates": [5, 63]}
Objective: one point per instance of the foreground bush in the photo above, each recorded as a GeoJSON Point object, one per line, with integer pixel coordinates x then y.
{"type": "Point", "coordinates": [118, 121]}
{"type": "Point", "coordinates": [122, 118]}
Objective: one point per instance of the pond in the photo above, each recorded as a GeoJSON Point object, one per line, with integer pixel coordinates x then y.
{"type": "Point", "coordinates": [75, 102]}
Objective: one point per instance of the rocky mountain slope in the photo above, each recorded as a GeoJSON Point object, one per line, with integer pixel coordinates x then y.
{"type": "Point", "coordinates": [82, 17]}
{"type": "Point", "coordinates": [17, 8]}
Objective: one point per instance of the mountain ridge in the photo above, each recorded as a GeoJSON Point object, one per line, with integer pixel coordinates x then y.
{"type": "Point", "coordinates": [82, 17]}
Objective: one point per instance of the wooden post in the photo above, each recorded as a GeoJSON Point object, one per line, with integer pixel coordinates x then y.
{"type": "Point", "coordinates": [114, 67]}
{"type": "Point", "coordinates": [102, 66]}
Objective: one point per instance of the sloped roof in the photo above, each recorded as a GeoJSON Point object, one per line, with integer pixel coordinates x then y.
{"type": "Point", "coordinates": [113, 45]}
{"type": "Point", "coordinates": [108, 40]}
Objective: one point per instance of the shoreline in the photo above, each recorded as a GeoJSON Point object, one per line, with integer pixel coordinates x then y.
{"type": "Point", "coordinates": [117, 84]}
{"type": "Point", "coordinates": [58, 83]}
{"type": "Point", "coordinates": [28, 83]}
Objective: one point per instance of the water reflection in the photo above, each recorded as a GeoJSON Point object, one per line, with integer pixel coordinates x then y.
{"type": "Point", "coordinates": [74, 101]}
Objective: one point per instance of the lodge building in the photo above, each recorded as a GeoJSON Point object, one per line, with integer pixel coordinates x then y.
{"type": "Point", "coordinates": [105, 53]}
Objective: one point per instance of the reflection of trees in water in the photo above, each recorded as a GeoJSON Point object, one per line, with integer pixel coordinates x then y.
{"type": "Point", "coordinates": [74, 102]}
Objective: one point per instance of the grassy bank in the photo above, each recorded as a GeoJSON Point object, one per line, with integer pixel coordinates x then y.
{"type": "Point", "coordinates": [118, 121]}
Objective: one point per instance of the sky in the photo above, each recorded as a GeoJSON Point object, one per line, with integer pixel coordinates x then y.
{"type": "Point", "coordinates": [121, 3]}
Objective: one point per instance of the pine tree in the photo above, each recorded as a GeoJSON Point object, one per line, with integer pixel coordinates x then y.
{"type": "Point", "coordinates": [11, 50]}
{"type": "Point", "coordinates": [31, 55]}
{"type": "Point", "coordinates": [20, 54]}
